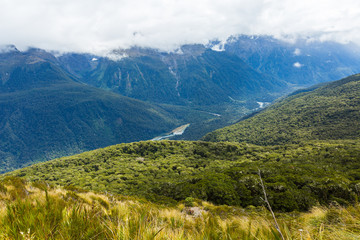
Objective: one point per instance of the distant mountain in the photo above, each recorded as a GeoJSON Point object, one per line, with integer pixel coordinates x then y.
{"type": "Point", "coordinates": [45, 113]}
{"type": "Point", "coordinates": [301, 62]}
{"type": "Point", "coordinates": [331, 111]}
{"type": "Point", "coordinates": [245, 68]}
{"type": "Point", "coordinates": [195, 76]}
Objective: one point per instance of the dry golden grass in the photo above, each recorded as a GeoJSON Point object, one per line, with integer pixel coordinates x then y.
{"type": "Point", "coordinates": [57, 213]}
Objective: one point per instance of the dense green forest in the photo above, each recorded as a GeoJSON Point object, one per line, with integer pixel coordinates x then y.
{"type": "Point", "coordinates": [297, 176]}
{"type": "Point", "coordinates": [65, 119]}
{"type": "Point", "coordinates": [331, 111]}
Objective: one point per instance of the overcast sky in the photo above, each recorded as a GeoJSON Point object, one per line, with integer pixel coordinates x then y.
{"type": "Point", "coordinates": [97, 26]}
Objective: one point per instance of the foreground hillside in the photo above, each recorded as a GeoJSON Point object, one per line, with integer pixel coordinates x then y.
{"type": "Point", "coordinates": [297, 176]}
{"type": "Point", "coordinates": [38, 210]}
{"type": "Point", "coordinates": [328, 112]}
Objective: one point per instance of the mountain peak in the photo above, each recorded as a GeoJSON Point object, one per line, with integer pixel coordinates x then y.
{"type": "Point", "coordinates": [8, 48]}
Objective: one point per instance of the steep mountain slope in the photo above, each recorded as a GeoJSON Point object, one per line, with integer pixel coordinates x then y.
{"type": "Point", "coordinates": [25, 70]}
{"type": "Point", "coordinates": [303, 62]}
{"type": "Point", "coordinates": [331, 111]}
{"type": "Point", "coordinates": [45, 113]}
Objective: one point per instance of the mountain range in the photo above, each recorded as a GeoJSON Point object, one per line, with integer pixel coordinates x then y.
{"type": "Point", "coordinates": [198, 76]}
{"type": "Point", "coordinates": [55, 105]}
{"type": "Point", "coordinates": [300, 62]}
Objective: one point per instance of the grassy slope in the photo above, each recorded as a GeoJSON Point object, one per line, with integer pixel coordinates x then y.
{"type": "Point", "coordinates": [329, 112]}
{"type": "Point", "coordinates": [297, 176]}
{"type": "Point", "coordinates": [39, 211]}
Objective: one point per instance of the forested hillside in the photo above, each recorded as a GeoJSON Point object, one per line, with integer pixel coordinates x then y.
{"type": "Point", "coordinates": [297, 176]}
{"type": "Point", "coordinates": [328, 112]}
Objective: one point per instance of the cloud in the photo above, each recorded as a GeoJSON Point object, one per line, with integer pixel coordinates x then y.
{"type": "Point", "coordinates": [298, 65]}
{"type": "Point", "coordinates": [7, 48]}
{"type": "Point", "coordinates": [297, 52]}
{"type": "Point", "coordinates": [98, 26]}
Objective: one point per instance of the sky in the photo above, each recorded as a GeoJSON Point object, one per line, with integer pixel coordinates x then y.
{"type": "Point", "coordinates": [96, 26]}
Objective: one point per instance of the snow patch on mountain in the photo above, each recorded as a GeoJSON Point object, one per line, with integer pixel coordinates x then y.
{"type": "Point", "coordinates": [218, 47]}
{"type": "Point", "coordinates": [263, 104]}
{"type": "Point", "coordinates": [298, 65]}
{"type": "Point", "coordinates": [116, 56]}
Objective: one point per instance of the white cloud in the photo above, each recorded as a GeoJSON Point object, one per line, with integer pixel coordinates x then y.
{"type": "Point", "coordinates": [97, 26]}
{"type": "Point", "coordinates": [297, 52]}
{"type": "Point", "coordinates": [298, 65]}
{"type": "Point", "coordinates": [7, 48]}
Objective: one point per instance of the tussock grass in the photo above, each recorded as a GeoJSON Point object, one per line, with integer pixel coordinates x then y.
{"type": "Point", "coordinates": [39, 211]}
